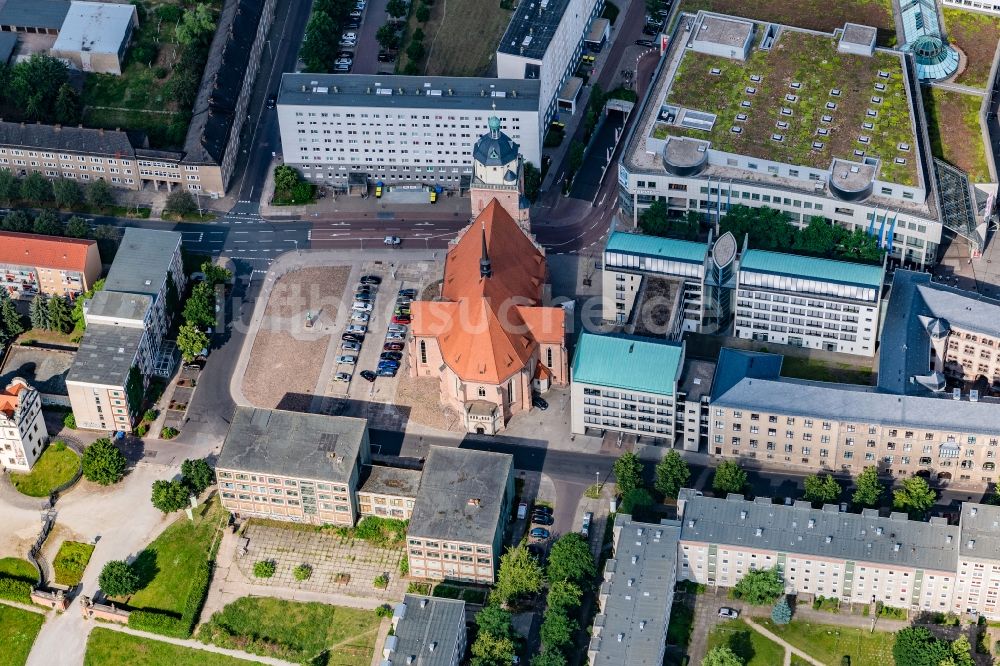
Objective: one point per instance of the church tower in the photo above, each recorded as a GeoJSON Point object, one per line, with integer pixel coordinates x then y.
{"type": "Point", "coordinates": [498, 173]}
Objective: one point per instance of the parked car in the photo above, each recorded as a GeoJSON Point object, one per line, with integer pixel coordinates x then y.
{"type": "Point", "coordinates": [347, 359]}
{"type": "Point", "coordinates": [392, 346]}
{"type": "Point", "coordinates": [360, 4]}
{"type": "Point", "coordinates": [365, 296]}
{"type": "Point", "coordinates": [388, 363]}
{"type": "Point", "coordinates": [353, 24]}
{"type": "Point", "coordinates": [539, 402]}
{"type": "Point", "coordinates": [539, 533]}
{"type": "Point", "coordinates": [344, 61]}
{"type": "Point", "coordinates": [387, 372]}
{"type": "Point", "coordinates": [400, 319]}
{"type": "Point", "coordinates": [536, 550]}
{"type": "Point", "coordinates": [350, 346]}
{"type": "Point", "coordinates": [272, 101]}
{"type": "Point", "coordinates": [585, 529]}
{"type": "Point", "coordinates": [341, 68]}
{"type": "Point", "coordinates": [368, 375]}
{"type": "Point", "coordinates": [371, 279]}
{"type": "Point", "coordinates": [364, 306]}
{"type": "Point", "coordinates": [350, 35]}
{"type": "Point", "coordinates": [394, 337]}
{"type": "Point", "coordinates": [360, 317]}
{"type": "Point", "coordinates": [541, 519]}
{"type": "Point", "coordinates": [541, 508]}
{"type": "Point", "coordinates": [391, 356]}
{"type": "Point", "coordinates": [397, 328]}
{"type": "Point", "coordinates": [385, 56]}
{"type": "Point", "coordinates": [357, 329]}
{"type": "Point", "coordinates": [645, 42]}
{"type": "Point", "coordinates": [408, 292]}
{"type": "Point", "coordinates": [729, 613]}
{"type": "Point", "coordinates": [392, 240]}
{"type": "Point", "coordinates": [342, 377]}
{"type": "Point", "coordinates": [402, 312]}
{"type": "Point", "coordinates": [522, 510]}
{"type": "Point", "coordinates": [347, 42]}
{"type": "Point", "coordinates": [352, 337]}
{"type": "Point", "coordinates": [650, 30]}
{"type": "Point", "coordinates": [356, 14]}
{"type": "Point", "coordinates": [346, 54]}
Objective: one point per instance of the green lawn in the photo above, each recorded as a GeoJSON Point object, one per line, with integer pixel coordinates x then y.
{"type": "Point", "coordinates": [294, 631]}
{"type": "Point", "coordinates": [755, 649]}
{"type": "Point", "coordinates": [57, 465]}
{"type": "Point", "coordinates": [799, 661]}
{"type": "Point", "coordinates": [71, 561]}
{"type": "Point", "coordinates": [165, 565]}
{"type": "Point", "coordinates": [18, 629]}
{"type": "Point", "coordinates": [802, 368]}
{"type": "Point", "coordinates": [15, 567]}
{"type": "Point", "coordinates": [829, 644]}
{"type": "Point", "coordinates": [107, 646]}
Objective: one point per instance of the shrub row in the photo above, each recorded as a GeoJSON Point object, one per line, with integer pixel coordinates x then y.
{"type": "Point", "coordinates": [170, 625]}
{"type": "Point", "coordinates": [15, 590]}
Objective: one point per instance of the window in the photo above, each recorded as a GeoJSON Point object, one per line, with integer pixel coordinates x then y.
{"type": "Point", "coordinates": [423, 351]}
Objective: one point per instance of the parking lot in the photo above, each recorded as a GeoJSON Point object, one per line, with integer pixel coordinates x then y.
{"type": "Point", "coordinates": [359, 50]}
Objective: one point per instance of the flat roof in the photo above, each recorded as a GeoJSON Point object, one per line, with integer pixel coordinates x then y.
{"type": "Point", "coordinates": [855, 33]}
{"type": "Point", "coordinates": [95, 27]}
{"type": "Point", "coordinates": [532, 28]}
{"type": "Point", "coordinates": [654, 246]}
{"type": "Point", "coordinates": [119, 305]}
{"type": "Point", "coordinates": [698, 376]}
{"type": "Point", "coordinates": [627, 362]}
{"type": "Point", "coordinates": [283, 443]}
{"type": "Point", "coordinates": [48, 14]}
{"type": "Point", "coordinates": [106, 355]}
{"type": "Point", "coordinates": [143, 260]}
{"type": "Point", "coordinates": [400, 91]}
{"type": "Point", "coordinates": [980, 530]}
{"type": "Point", "coordinates": [724, 31]}
{"type": "Point", "coordinates": [45, 369]}
{"type": "Point", "coordinates": [826, 532]}
{"type": "Point", "coordinates": [8, 40]}
{"type": "Point", "coordinates": [812, 268]}
{"type": "Point", "coordinates": [461, 495]}
{"type": "Point", "coordinates": [385, 480]}
{"type": "Point", "coordinates": [636, 594]}
{"type": "Point", "coordinates": [427, 628]}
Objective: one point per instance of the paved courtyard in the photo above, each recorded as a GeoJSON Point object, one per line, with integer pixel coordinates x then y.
{"type": "Point", "coordinates": [331, 556]}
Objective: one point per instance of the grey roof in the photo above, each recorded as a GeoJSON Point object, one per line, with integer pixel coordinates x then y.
{"type": "Point", "coordinates": [428, 92]}
{"type": "Point", "coordinates": [837, 402]}
{"type": "Point", "coordinates": [48, 14]}
{"type": "Point", "coordinates": [142, 262]}
{"type": "Point", "coordinates": [45, 369]}
{"type": "Point", "coordinates": [980, 531]}
{"type": "Point", "coordinates": [735, 364]}
{"type": "Point", "coordinates": [306, 446]}
{"type": "Point", "coordinates": [119, 305]}
{"type": "Point", "coordinates": [106, 354]}
{"type": "Point", "coordinates": [697, 378]}
{"type": "Point", "coordinates": [495, 152]}
{"type": "Point", "coordinates": [70, 139]}
{"type": "Point", "coordinates": [461, 495]}
{"type": "Point", "coordinates": [639, 592]}
{"type": "Point", "coordinates": [97, 27]}
{"type": "Point", "coordinates": [826, 532]}
{"type": "Point", "coordinates": [423, 621]}
{"type": "Point", "coordinates": [532, 27]}
{"type": "Point", "coordinates": [8, 40]}
{"type": "Point", "coordinates": [384, 480]}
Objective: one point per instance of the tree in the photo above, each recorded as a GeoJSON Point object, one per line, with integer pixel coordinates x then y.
{"type": "Point", "coordinates": [549, 657]}
{"type": "Point", "coordinates": [423, 13]}
{"type": "Point", "coordinates": [721, 656]}
{"type": "Point", "coordinates": [628, 472]}
{"type": "Point", "coordinates": [495, 621]}
{"type": "Point", "coordinates": [99, 194]}
{"type": "Point", "coordinates": [215, 275]}
{"type": "Point", "coordinates": [118, 579]}
{"type": "Point", "coordinates": [169, 496]}
{"type": "Point", "coordinates": [34, 85]}
{"type": "Point", "coordinates": [47, 223]}
{"type": "Point", "coordinates": [77, 314]}
{"type": "Point", "coordinates": [575, 158]}
{"type": "Point", "coordinates": [672, 474]}
{"type": "Point", "coordinates": [387, 37]}
{"type": "Point", "coordinates": [77, 227]}
{"type": "Point", "coordinates": [729, 478]}
{"type": "Point", "coordinates": [38, 312]}
{"type": "Point", "coordinates": [199, 309]}
{"type": "Point", "coordinates": [916, 646]}
{"type": "Point", "coordinates": [60, 318]}
{"type": "Point", "coordinates": [192, 341]}
{"type": "Point", "coordinates": [416, 51]}
{"type": "Point", "coordinates": [320, 43]}
{"type": "Point", "coordinates": [181, 202]}
{"type": "Point", "coordinates": [10, 186]}
{"type": "Point", "coordinates": [557, 628]}
{"type": "Point", "coordinates": [570, 559]}
{"type": "Point", "coordinates": [10, 321]}
{"type": "Point", "coordinates": [67, 193]}
{"type": "Point", "coordinates": [36, 188]}
{"type": "Point", "coordinates": [564, 594]}
{"type": "Point", "coordinates": [869, 488]}
{"type": "Point", "coordinates": [961, 651]}
{"type": "Point", "coordinates": [823, 489]}
{"type": "Point", "coordinates": [18, 220]}
{"type": "Point", "coordinates": [656, 221]}
{"type": "Point", "coordinates": [396, 8]}
{"type": "Point", "coordinates": [490, 650]}
{"type": "Point", "coordinates": [769, 229]}
{"type": "Point", "coordinates": [914, 497]}
{"type": "Point", "coordinates": [197, 474]}
{"type": "Point", "coordinates": [532, 182]}
{"type": "Point", "coordinates": [519, 574]}
{"type": "Point", "coordinates": [196, 25]}
{"type": "Point", "coordinates": [103, 463]}
{"type": "Point", "coordinates": [67, 105]}
{"type": "Point", "coordinates": [759, 587]}
{"type": "Point", "coordinates": [285, 180]}
{"type": "Point", "coordinates": [782, 612]}
{"type": "Point", "coordinates": [635, 501]}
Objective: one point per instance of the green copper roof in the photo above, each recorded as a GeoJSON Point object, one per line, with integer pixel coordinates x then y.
{"type": "Point", "coordinates": [830, 270]}
{"type": "Point", "coordinates": [653, 246]}
{"type": "Point", "coordinates": [627, 362]}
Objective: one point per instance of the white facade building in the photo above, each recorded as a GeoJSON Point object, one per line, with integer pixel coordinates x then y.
{"type": "Point", "coordinates": [22, 427]}
{"type": "Point", "coordinates": [988, 6]}
{"type": "Point", "coordinates": [408, 130]}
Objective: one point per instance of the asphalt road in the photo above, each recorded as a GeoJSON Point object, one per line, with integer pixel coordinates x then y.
{"type": "Point", "coordinates": [366, 55]}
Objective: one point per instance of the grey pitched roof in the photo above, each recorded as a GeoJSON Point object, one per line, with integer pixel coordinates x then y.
{"type": "Point", "coordinates": [384, 480]}
{"type": "Point", "coordinates": [736, 364]}
{"type": "Point", "coordinates": [142, 262]}
{"type": "Point", "coordinates": [423, 621]}
{"type": "Point", "coordinates": [106, 354]}
{"type": "Point", "coordinates": [119, 305]}
{"type": "Point", "coordinates": [8, 40]}
{"type": "Point", "coordinates": [48, 14]}
{"type": "Point", "coordinates": [495, 152]}
{"type": "Point", "coordinates": [310, 446]}
{"type": "Point", "coordinates": [461, 495]}
{"type": "Point", "coordinates": [825, 532]}
{"type": "Point", "coordinates": [72, 139]}
{"type": "Point", "coordinates": [980, 531]}
{"type": "Point", "coordinates": [636, 592]}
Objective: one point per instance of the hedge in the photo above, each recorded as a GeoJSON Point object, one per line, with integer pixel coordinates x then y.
{"type": "Point", "coordinates": [15, 590]}
{"type": "Point", "coordinates": [169, 625]}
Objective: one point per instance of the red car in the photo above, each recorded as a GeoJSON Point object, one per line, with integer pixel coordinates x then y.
{"type": "Point", "coordinates": [400, 319]}
{"type": "Point", "coordinates": [392, 346]}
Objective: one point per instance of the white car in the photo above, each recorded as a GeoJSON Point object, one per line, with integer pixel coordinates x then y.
{"type": "Point", "coordinates": [341, 68]}
{"type": "Point", "coordinates": [344, 61]}
{"type": "Point", "coordinates": [729, 613]}
{"type": "Point", "coordinates": [360, 317]}
{"type": "Point", "coordinates": [357, 329]}
{"type": "Point", "coordinates": [347, 359]}
{"type": "Point", "coordinates": [342, 377]}
{"type": "Point", "coordinates": [347, 43]}
{"type": "Point", "coordinates": [353, 36]}
{"type": "Point", "coordinates": [392, 240]}
{"type": "Point", "coordinates": [392, 336]}
{"type": "Point", "coordinates": [397, 328]}
{"type": "Point", "coordinates": [347, 345]}
{"type": "Point", "coordinates": [361, 306]}
{"type": "Point", "coordinates": [360, 4]}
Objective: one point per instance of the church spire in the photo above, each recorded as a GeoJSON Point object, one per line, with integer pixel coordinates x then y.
{"type": "Point", "coordinates": [485, 267]}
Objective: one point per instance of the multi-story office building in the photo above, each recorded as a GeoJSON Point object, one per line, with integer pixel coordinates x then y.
{"type": "Point", "coordinates": [846, 142]}
{"type": "Point", "coordinates": [544, 42]}
{"type": "Point", "coordinates": [987, 6]}
{"type": "Point", "coordinates": [636, 596]}
{"type": "Point", "coordinates": [808, 302]}
{"type": "Point", "coordinates": [426, 631]}
{"type": "Point", "coordinates": [22, 426]}
{"type": "Point", "coordinates": [456, 529]}
{"type": "Point", "coordinates": [406, 130]}
{"type": "Point", "coordinates": [32, 264]}
{"type": "Point", "coordinates": [388, 492]}
{"type": "Point", "coordinates": [292, 466]}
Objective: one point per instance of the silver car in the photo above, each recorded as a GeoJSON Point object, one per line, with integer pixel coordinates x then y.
{"type": "Point", "coordinates": [360, 317]}
{"type": "Point", "coordinates": [347, 345]}
{"type": "Point", "coordinates": [342, 377]}
{"type": "Point", "coordinates": [357, 329]}
{"type": "Point", "coordinates": [347, 359]}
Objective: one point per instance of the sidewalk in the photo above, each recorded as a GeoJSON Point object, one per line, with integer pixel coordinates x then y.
{"type": "Point", "coordinates": [196, 645]}
{"type": "Point", "coordinates": [789, 649]}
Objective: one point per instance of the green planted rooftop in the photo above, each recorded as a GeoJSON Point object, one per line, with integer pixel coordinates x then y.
{"type": "Point", "coordinates": [813, 63]}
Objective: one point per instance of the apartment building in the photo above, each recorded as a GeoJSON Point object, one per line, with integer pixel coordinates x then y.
{"type": "Point", "coordinates": [408, 131]}
{"type": "Point", "coordinates": [625, 384]}
{"type": "Point", "coordinates": [456, 529]}
{"type": "Point", "coordinates": [544, 41]}
{"type": "Point", "coordinates": [874, 173]}
{"type": "Point", "coordinates": [387, 492]}
{"type": "Point", "coordinates": [808, 302]}
{"type": "Point", "coordinates": [293, 466]}
{"type": "Point", "coordinates": [23, 435]}
{"type": "Point", "coordinates": [31, 264]}
{"type": "Point", "coordinates": [428, 631]}
{"type": "Point", "coordinates": [978, 581]}
{"type": "Point", "coordinates": [636, 596]}
{"type": "Point", "coordinates": [126, 321]}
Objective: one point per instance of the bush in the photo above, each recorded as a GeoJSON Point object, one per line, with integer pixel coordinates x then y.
{"type": "Point", "coordinates": [149, 415]}
{"type": "Point", "coordinates": [200, 580]}
{"type": "Point", "coordinates": [264, 569]}
{"type": "Point", "coordinates": [385, 610]}
{"type": "Point", "coordinates": [158, 623]}
{"type": "Point", "coordinates": [15, 590]}
{"type": "Point", "coordinates": [141, 430]}
{"type": "Point", "coordinates": [69, 421]}
{"type": "Point", "coordinates": [169, 433]}
{"type": "Point", "coordinates": [381, 581]}
{"type": "Point", "coordinates": [404, 566]}
{"type": "Point", "coordinates": [302, 572]}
